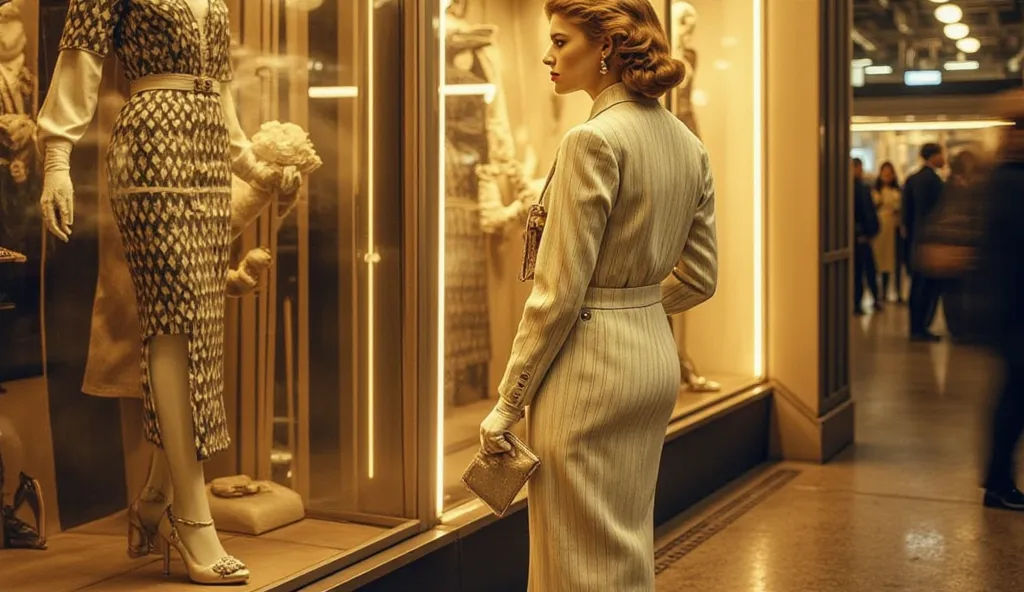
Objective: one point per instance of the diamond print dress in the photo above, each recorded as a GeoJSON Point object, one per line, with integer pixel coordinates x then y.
{"type": "Point", "coordinates": [169, 173]}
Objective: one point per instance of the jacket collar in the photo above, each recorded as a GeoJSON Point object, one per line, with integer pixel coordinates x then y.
{"type": "Point", "coordinates": [611, 96]}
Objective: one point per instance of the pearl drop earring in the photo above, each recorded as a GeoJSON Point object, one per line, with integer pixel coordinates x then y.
{"type": "Point", "coordinates": [604, 66]}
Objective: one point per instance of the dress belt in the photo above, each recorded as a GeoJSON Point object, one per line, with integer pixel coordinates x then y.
{"type": "Point", "coordinates": [617, 298]}
{"type": "Point", "coordinates": [184, 82]}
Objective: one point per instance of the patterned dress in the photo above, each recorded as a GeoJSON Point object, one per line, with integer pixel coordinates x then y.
{"type": "Point", "coordinates": [169, 173]}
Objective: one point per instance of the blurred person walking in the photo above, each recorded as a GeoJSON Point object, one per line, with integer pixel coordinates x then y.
{"type": "Point", "coordinates": [921, 195]}
{"type": "Point", "coordinates": [865, 225]}
{"type": "Point", "coordinates": [1002, 276]}
{"type": "Point", "coordinates": [888, 198]}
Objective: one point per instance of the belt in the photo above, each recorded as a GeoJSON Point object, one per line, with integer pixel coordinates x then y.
{"type": "Point", "coordinates": [613, 298]}
{"type": "Point", "coordinates": [183, 82]}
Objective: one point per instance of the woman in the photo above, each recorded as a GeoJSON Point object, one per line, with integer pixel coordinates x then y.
{"type": "Point", "coordinates": [630, 202]}
{"type": "Point", "coordinates": [887, 196]}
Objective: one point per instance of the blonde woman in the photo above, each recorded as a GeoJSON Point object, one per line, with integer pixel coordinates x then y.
{"type": "Point", "coordinates": [629, 237]}
{"type": "Point", "coordinates": [888, 199]}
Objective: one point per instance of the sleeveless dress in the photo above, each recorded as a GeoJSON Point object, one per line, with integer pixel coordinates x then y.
{"type": "Point", "coordinates": [169, 173]}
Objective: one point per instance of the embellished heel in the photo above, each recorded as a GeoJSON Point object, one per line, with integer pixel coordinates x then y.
{"type": "Point", "coordinates": [224, 571]}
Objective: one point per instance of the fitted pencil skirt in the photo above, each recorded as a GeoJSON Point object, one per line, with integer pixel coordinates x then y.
{"type": "Point", "coordinates": [598, 425]}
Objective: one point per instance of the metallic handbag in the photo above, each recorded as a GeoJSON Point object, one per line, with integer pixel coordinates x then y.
{"type": "Point", "coordinates": [497, 478]}
{"type": "Point", "coordinates": [536, 218]}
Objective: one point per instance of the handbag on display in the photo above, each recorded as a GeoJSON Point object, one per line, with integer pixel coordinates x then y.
{"type": "Point", "coordinates": [497, 478]}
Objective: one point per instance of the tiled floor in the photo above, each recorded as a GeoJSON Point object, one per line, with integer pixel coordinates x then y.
{"type": "Point", "coordinates": [898, 511]}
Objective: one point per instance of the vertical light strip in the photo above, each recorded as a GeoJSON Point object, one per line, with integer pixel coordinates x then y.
{"type": "Point", "coordinates": [441, 115]}
{"type": "Point", "coordinates": [758, 209]}
{"type": "Point", "coordinates": [371, 247]}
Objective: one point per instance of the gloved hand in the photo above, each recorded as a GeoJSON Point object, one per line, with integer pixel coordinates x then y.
{"type": "Point", "coordinates": [57, 200]}
{"type": "Point", "coordinates": [493, 428]}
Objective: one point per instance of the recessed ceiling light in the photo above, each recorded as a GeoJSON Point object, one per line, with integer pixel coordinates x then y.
{"type": "Point", "coordinates": [956, 31]}
{"type": "Point", "coordinates": [968, 45]}
{"type": "Point", "coordinates": [878, 70]}
{"type": "Point", "coordinates": [940, 1]}
{"type": "Point", "coordinates": [949, 13]}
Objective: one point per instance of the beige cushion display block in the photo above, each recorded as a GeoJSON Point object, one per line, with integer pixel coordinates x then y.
{"type": "Point", "coordinates": [272, 508]}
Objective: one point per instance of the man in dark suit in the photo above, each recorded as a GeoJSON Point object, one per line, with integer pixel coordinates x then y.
{"type": "Point", "coordinates": [865, 228]}
{"type": "Point", "coordinates": [921, 196]}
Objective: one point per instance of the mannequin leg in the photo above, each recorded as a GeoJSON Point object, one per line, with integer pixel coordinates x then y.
{"type": "Point", "coordinates": [168, 368]}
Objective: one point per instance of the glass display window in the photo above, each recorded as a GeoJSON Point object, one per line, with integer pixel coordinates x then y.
{"type": "Point", "coordinates": [317, 406]}
{"type": "Point", "coordinates": [501, 125]}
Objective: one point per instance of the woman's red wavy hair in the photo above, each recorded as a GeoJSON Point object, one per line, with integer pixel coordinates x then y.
{"type": "Point", "coordinates": [638, 39]}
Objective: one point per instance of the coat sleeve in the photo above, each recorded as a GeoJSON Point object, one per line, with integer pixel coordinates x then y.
{"type": "Point", "coordinates": [694, 279]}
{"type": "Point", "coordinates": [583, 189]}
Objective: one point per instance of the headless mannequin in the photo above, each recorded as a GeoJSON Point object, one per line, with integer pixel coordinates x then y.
{"type": "Point", "coordinates": [175, 471]}
{"type": "Point", "coordinates": [684, 16]}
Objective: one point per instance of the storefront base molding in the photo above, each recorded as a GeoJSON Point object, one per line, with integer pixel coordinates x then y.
{"type": "Point", "coordinates": [479, 552]}
{"type": "Point", "coordinates": [797, 434]}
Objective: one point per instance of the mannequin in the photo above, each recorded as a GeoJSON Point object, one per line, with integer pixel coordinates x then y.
{"type": "Point", "coordinates": [684, 17]}
{"type": "Point", "coordinates": [481, 170]}
{"type": "Point", "coordinates": [172, 152]}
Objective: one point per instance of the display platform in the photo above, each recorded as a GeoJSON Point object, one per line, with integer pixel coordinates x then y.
{"type": "Point", "coordinates": [92, 557]}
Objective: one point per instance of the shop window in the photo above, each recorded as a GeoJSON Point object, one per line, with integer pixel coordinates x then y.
{"type": "Point", "coordinates": [314, 390]}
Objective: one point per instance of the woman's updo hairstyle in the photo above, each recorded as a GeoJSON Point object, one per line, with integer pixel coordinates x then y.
{"type": "Point", "coordinates": [638, 40]}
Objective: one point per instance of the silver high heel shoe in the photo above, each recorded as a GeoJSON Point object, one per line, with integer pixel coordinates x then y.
{"type": "Point", "coordinates": [226, 570]}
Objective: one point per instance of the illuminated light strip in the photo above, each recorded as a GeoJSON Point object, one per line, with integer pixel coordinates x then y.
{"type": "Point", "coordinates": [928, 126]}
{"type": "Point", "coordinates": [371, 257]}
{"type": "Point", "coordinates": [440, 266]}
{"type": "Point", "coordinates": [333, 92]}
{"type": "Point", "coordinates": [487, 90]}
{"type": "Point", "coordinates": [759, 287]}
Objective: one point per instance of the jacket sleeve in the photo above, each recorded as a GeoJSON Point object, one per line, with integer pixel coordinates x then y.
{"type": "Point", "coordinates": [582, 191]}
{"type": "Point", "coordinates": [69, 106]}
{"type": "Point", "coordinates": [694, 279]}
{"type": "Point", "coordinates": [908, 205]}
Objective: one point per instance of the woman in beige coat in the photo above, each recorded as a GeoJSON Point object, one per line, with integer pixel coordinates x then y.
{"type": "Point", "coordinates": [629, 237]}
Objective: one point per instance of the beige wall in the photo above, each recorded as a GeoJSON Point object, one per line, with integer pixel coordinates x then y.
{"type": "Point", "coordinates": [792, 212]}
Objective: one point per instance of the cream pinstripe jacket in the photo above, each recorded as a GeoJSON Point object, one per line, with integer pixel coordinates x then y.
{"type": "Point", "coordinates": [631, 203]}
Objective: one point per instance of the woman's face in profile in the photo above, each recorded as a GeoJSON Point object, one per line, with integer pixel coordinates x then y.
{"type": "Point", "coordinates": [574, 60]}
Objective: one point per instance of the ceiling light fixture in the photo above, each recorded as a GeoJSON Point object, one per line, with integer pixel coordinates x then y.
{"type": "Point", "coordinates": [878, 70]}
{"type": "Point", "coordinates": [939, 1]}
{"type": "Point", "coordinates": [949, 13]}
{"type": "Point", "coordinates": [956, 31]}
{"type": "Point", "coordinates": [968, 45]}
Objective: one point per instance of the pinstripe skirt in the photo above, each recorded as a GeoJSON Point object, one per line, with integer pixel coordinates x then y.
{"type": "Point", "coordinates": [598, 424]}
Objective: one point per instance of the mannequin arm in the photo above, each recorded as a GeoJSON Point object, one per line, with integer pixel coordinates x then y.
{"type": "Point", "coordinates": [243, 161]}
{"type": "Point", "coordinates": [69, 106]}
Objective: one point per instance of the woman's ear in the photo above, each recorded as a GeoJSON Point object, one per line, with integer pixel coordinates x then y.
{"type": "Point", "coordinates": [607, 47]}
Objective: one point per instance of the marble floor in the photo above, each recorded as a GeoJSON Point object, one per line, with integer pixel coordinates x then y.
{"type": "Point", "coordinates": [900, 510]}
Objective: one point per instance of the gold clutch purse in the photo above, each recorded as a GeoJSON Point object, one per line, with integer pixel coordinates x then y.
{"type": "Point", "coordinates": [497, 478]}
{"type": "Point", "coordinates": [536, 218]}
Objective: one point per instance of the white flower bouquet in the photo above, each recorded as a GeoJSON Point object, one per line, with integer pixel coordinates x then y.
{"type": "Point", "coordinates": [286, 145]}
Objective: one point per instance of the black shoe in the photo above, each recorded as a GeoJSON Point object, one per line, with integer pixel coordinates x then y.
{"type": "Point", "coordinates": [879, 307]}
{"type": "Point", "coordinates": [926, 337]}
{"type": "Point", "coordinates": [1007, 499]}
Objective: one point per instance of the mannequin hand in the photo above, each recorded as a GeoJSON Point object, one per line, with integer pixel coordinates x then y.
{"type": "Point", "coordinates": [493, 428]}
{"type": "Point", "coordinates": [57, 203]}
{"type": "Point", "coordinates": [290, 183]}
{"type": "Point", "coordinates": [246, 278]}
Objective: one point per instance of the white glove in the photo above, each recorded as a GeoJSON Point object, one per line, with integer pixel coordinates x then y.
{"type": "Point", "coordinates": [57, 201]}
{"type": "Point", "coordinates": [494, 427]}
